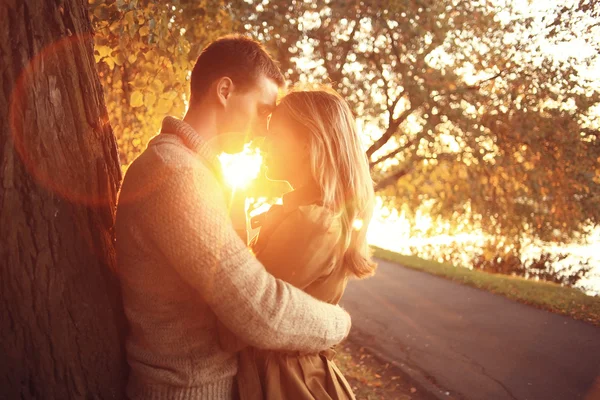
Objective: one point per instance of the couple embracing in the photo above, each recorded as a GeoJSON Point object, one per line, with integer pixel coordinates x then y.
{"type": "Point", "coordinates": [211, 317]}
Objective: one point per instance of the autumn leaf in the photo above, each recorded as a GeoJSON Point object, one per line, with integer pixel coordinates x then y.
{"type": "Point", "coordinates": [164, 106]}
{"type": "Point", "coordinates": [103, 51]}
{"type": "Point", "coordinates": [137, 99]}
{"type": "Point", "coordinates": [149, 99]}
{"type": "Point", "coordinates": [144, 30]}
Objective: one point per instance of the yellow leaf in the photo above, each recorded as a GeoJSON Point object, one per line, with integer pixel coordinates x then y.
{"type": "Point", "coordinates": [137, 99]}
{"type": "Point", "coordinates": [110, 62]}
{"type": "Point", "coordinates": [101, 11]}
{"type": "Point", "coordinates": [144, 30]}
{"type": "Point", "coordinates": [119, 58]}
{"type": "Point", "coordinates": [164, 106]}
{"type": "Point", "coordinates": [139, 82]}
{"type": "Point", "coordinates": [171, 95]}
{"type": "Point", "coordinates": [129, 17]}
{"type": "Point", "coordinates": [104, 51]}
{"type": "Point", "coordinates": [132, 57]}
{"type": "Point", "coordinates": [115, 27]}
{"type": "Point", "coordinates": [149, 99]}
{"type": "Point", "coordinates": [151, 56]}
{"type": "Point", "coordinates": [157, 86]}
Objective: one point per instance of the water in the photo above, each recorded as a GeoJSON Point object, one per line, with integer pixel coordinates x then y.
{"type": "Point", "coordinates": [392, 234]}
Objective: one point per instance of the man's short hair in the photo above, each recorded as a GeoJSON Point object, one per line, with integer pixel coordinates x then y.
{"type": "Point", "coordinates": [236, 56]}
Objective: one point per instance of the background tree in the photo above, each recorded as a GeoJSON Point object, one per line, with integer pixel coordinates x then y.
{"type": "Point", "coordinates": [145, 51]}
{"type": "Point", "coordinates": [467, 120]}
{"type": "Point", "coordinates": [61, 319]}
{"type": "Point", "coordinates": [581, 16]}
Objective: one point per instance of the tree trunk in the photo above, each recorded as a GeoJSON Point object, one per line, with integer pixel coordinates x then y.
{"type": "Point", "coordinates": [61, 318]}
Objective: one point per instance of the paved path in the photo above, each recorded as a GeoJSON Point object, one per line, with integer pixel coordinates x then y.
{"type": "Point", "coordinates": [474, 344]}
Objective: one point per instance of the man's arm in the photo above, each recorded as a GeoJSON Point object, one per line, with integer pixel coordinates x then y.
{"type": "Point", "coordinates": [188, 222]}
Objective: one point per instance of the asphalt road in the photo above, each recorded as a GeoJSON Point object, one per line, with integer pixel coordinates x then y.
{"type": "Point", "coordinates": [471, 343]}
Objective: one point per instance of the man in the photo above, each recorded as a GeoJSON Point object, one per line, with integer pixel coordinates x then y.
{"type": "Point", "coordinates": [181, 265]}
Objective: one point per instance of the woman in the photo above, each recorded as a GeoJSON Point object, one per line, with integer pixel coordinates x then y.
{"type": "Point", "coordinates": [316, 239]}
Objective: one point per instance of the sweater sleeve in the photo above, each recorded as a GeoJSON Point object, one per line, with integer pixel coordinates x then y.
{"type": "Point", "coordinates": [187, 221]}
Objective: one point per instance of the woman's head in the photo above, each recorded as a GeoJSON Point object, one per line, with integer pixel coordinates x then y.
{"type": "Point", "coordinates": [313, 140]}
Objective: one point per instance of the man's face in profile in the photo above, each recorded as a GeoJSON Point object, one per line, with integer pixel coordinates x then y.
{"type": "Point", "coordinates": [247, 113]}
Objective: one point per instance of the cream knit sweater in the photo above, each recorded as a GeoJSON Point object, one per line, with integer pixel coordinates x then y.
{"type": "Point", "coordinates": [182, 267]}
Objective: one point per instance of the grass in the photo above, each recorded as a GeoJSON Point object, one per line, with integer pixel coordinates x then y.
{"type": "Point", "coordinates": [544, 295]}
{"type": "Point", "coordinates": [371, 378]}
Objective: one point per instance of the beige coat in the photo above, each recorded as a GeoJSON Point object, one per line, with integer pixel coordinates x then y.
{"type": "Point", "coordinates": [299, 242]}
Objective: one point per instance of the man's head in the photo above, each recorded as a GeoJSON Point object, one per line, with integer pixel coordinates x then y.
{"type": "Point", "coordinates": [237, 78]}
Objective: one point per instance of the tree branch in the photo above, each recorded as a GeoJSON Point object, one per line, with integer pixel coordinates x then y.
{"type": "Point", "coordinates": [469, 87]}
{"type": "Point", "coordinates": [390, 104]}
{"type": "Point", "coordinates": [390, 131]}
{"type": "Point", "coordinates": [392, 154]}
{"type": "Point", "coordinates": [408, 168]}
{"type": "Point", "coordinates": [335, 74]}
{"type": "Point", "coordinates": [392, 178]}
{"type": "Point", "coordinates": [348, 43]}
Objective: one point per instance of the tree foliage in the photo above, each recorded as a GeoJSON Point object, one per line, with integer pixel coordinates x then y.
{"type": "Point", "coordinates": [466, 116]}
{"type": "Point", "coordinates": [542, 267]}
{"type": "Point", "coordinates": [145, 50]}
{"type": "Point", "coordinates": [462, 119]}
{"type": "Point", "coordinates": [581, 16]}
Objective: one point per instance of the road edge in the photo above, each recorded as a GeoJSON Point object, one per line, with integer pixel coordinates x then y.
{"type": "Point", "coordinates": [419, 379]}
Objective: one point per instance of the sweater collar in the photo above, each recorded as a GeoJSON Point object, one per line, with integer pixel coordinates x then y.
{"type": "Point", "coordinates": [193, 141]}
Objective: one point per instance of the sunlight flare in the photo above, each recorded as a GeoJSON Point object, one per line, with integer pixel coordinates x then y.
{"type": "Point", "coordinates": [242, 168]}
{"type": "Point", "coordinates": [357, 224]}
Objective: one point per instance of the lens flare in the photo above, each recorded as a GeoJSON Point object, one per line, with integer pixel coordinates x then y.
{"type": "Point", "coordinates": [357, 224]}
{"type": "Point", "coordinates": [242, 168]}
{"type": "Point", "coordinates": [58, 140]}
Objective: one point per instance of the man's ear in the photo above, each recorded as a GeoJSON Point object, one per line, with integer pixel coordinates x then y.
{"type": "Point", "coordinates": [224, 89]}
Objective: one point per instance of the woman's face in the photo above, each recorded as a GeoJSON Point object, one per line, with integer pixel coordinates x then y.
{"type": "Point", "coordinates": [286, 144]}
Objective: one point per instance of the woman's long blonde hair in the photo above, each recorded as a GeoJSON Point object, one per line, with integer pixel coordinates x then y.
{"type": "Point", "coordinates": [339, 166]}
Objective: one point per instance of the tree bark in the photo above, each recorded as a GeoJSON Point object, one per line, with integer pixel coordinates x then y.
{"type": "Point", "coordinates": [61, 318]}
